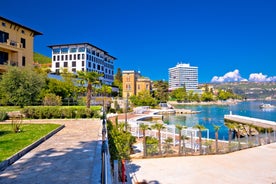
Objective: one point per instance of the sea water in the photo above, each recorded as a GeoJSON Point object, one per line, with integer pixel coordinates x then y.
{"type": "Point", "coordinates": [210, 115]}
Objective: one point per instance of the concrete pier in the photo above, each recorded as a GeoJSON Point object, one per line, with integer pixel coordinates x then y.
{"type": "Point", "coordinates": [251, 121]}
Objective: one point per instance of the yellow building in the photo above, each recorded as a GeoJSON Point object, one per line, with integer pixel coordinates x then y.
{"type": "Point", "coordinates": [133, 83]}
{"type": "Point", "coordinates": [16, 44]}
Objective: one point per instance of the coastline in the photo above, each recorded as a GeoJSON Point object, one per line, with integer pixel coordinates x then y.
{"type": "Point", "coordinates": [228, 102]}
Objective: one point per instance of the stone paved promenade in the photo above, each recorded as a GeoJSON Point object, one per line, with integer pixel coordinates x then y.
{"type": "Point", "coordinates": [73, 155]}
{"type": "Point", "coordinates": [250, 166]}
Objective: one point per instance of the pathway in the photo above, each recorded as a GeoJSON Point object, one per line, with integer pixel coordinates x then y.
{"type": "Point", "coordinates": [73, 155]}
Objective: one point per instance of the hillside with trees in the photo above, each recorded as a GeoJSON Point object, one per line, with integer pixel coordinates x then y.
{"type": "Point", "coordinates": [41, 59]}
{"type": "Point", "coordinates": [250, 90]}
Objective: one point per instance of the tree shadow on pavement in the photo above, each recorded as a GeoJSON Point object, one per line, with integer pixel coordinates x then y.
{"type": "Point", "coordinates": [73, 164]}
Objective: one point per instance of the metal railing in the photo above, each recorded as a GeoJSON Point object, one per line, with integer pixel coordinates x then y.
{"type": "Point", "coordinates": [106, 166]}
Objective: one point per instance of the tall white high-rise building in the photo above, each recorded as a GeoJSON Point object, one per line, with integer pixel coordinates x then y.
{"type": "Point", "coordinates": [83, 57]}
{"type": "Point", "coordinates": [183, 74]}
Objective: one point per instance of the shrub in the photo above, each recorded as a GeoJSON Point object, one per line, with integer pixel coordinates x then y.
{"type": "Point", "coordinates": [52, 100]}
{"type": "Point", "coordinates": [49, 112]}
{"type": "Point", "coordinates": [152, 145]}
{"type": "Point", "coordinates": [3, 115]}
{"type": "Point", "coordinates": [16, 124]}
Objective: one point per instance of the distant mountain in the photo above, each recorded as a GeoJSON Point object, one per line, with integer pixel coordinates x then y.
{"type": "Point", "coordinates": [41, 59]}
{"type": "Point", "coordinates": [250, 90]}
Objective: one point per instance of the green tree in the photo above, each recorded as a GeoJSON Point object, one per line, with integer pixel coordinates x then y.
{"type": "Point", "coordinates": [259, 130]}
{"type": "Point", "coordinates": [200, 128]}
{"type": "Point", "coordinates": [160, 89]}
{"type": "Point", "coordinates": [180, 128]}
{"type": "Point", "coordinates": [91, 78]}
{"type": "Point", "coordinates": [118, 81]}
{"type": "Point", "coordinates": [143, 98]}
{"type": "Point", "coordinates": [167, 146]}
{"type": "Point", "coordinates": [144, 127]}
{"type": "Point", "coordinates": [179, 94]}
{"type": "Point", "coordinates": [207, 97]}
{"type": "Point", "coordinates": [21, 86]}
{"type": "Point", "coordinates": [216, 128]}
{"type": "Point", "coordinates": [159, 127]}
{"type": "Point", "coordinates": [230, 127]}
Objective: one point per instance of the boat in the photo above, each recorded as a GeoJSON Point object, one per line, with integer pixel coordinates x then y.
{"type": "Point", "coordinates": [267, 106]}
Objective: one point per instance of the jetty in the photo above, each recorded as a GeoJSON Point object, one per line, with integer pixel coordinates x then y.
{"type": "Point", "coordinates": [251, 121]}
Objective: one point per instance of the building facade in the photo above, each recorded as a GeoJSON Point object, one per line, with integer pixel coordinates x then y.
{"type": "Point", "coordinates": [183, 75]}
{"type": "Point", "coordinates": [16, 44]}
{"type": "Point", "coordinates": [133, 83]}
{"type": "Point", "coordinates": [83, 57]}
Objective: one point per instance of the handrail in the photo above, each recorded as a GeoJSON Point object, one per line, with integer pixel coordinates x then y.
{"type": "Point", "coordinates": [106, 166]}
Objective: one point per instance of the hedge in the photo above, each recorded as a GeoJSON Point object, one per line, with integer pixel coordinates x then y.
{"type": "Point", "coordinates": [59, 112]}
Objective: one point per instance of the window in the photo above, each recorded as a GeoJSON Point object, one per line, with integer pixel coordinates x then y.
{"type": "Point", "coordinates": [74, 64]}
{"type": "Point", "coordinates": [78, 56]}
{"type": "Point", "coordinates": [58, 58]}
{"type": "Point", "coordinates": [23, 42]}
{"type": "Point", "coordinates": [89, 64]}
{"type": "Point", "coordinates": [3, 37]}
{"type": "Point", "coordinates": [73, 50]}
{"type": "Point", "coordinates": [22, 31]}
{"type": "Point", "coordinates": [98, 67]}
{"type": "Point", "coordinates": [56, 51]}
{"type": "Point", "coordinates": [138, 86]}
{"type": "Point", "coordinates": [81, 49]}
{"type": "Point", "coordinates": [70, 57]}
{"type": "Point", "coordinates": [82, 56]}
{"type": "Point", "coordinates": [23, 61]}
{"type": "Point", "coordinates": [65, 64]}
{"type": "Point", "coordinates": [57, 71]}
{"type": "Point", "coordinates": [75, 57]}
{"type": "Point", "coordinates": [82, 63]}
{"type": "Point", "coordinates": [3, 57]}
{"type": "Point", "coordinates": [73, 69]}
{"type": "Point", "coordinates": [62, 57]}
{"type": "Point", "coordinates": [4, 24]}
{"type": "Point", "coordinates": [94, 65]}
{"type": "Point", "coordinates": [66, 57]}
{"type": "Point", "coordinates": [54, 58]}
{"type": "Point", "coordinates": [64, 50]}
{"type": "Point", "coordinates": [57, 64]}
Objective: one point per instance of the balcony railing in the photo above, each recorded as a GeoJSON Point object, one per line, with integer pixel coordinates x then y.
{"type": "Point", "coordinates": [14, 43]}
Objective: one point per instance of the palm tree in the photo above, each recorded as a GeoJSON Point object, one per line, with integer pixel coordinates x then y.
{"type": "Point", "coordinates": [250, 126]}
{"type": "Point", "coordinates": [180, 127]}
{"type": "Point", "coordinates": [259, 129]}
{"type": "Point", "coordinates": [159, 127]}
{"type": "Point", "coordinates": [184, 137]}
{"type": "Point", "coordinates": [230, 127]}
{"type": "Point", "coordinates": [200, 128]}
{"type": "Point", "coordinates": [216, 128]}
{"type": "Point", "coordinates": [91, 78]}
{"type": "Point", "coordinates": [144, 127]}
{"type": "Point", "coordinates": [238, 127]}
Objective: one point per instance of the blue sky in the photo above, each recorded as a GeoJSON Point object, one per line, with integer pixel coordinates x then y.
{"type": "Point", "coordinates": [229, 39]}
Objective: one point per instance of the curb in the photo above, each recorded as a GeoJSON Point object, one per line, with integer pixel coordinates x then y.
{"type": "Point", "coordinates": [4, 164]}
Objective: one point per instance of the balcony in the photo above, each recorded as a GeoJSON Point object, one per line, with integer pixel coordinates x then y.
{"type": "Point", "coordinates": [14, 43]}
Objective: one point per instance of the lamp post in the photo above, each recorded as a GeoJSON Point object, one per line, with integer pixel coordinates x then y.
{"type": "Point", "coordinates": [126, 109]}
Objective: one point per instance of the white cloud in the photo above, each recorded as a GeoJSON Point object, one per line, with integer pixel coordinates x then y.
{"type": "Point", "coordinates": [259, 77]}
{"type": "Point", "coordinates": [229, 77]}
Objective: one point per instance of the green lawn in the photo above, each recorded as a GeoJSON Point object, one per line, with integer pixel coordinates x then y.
{"type": "Point", "coordinates": [11, 143]}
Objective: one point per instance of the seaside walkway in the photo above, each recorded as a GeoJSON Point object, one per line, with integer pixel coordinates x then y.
{"type": "Point", "coordinates": [254, 166]}
{"type": "Point", "coordinates": [73, 155]}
